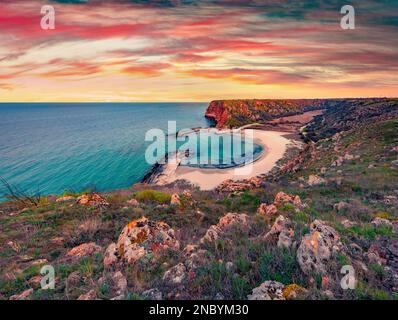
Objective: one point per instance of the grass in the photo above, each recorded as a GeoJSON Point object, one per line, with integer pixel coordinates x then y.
{"type": "Point", "coordinates": [369, 232]}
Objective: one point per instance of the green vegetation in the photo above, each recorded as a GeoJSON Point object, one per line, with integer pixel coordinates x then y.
{"type": "Point", "coordinates": [153, 195]}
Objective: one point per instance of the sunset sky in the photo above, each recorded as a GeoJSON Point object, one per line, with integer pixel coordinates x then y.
{"type": "Point", "coordinates": [196, 50]}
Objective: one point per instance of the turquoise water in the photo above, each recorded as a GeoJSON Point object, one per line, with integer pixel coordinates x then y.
{"type": "Point", "coordinates": [54, 147]}
{"type": "Point", "coordinates": [221, 151]}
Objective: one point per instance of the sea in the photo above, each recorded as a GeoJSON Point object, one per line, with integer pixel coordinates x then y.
{"type": "Point", "coordinates": [50, 148]}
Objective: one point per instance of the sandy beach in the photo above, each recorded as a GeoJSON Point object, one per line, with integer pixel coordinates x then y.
{"type": "Point", "coordinates": [274, 143]}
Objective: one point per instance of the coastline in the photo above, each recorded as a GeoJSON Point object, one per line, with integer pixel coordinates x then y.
{"type": "Point", "coordinates": [274, 144]}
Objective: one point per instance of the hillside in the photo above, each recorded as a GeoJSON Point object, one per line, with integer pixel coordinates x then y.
{"type": "Point", "coordinates": [235, 113]}
{"type": "Point", "coordinates": [333, 203]}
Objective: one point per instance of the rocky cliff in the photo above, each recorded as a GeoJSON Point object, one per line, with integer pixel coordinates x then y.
{"type": "Point", "coordinates": [235, 113]}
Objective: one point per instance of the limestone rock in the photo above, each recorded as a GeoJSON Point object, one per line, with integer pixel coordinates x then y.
{"type": "Point", "coordinates": [84, 249]}
{"type": "Point", "coordinates": [281, 233]}
{"type": "Point", "coordinates": [119, 283]}
{"type": "Point", "coordinates": [236, 187]}
{"type": "Point", "coordinates": [92, 200]}
{"type": "Point", "coordinates": [226, 222]}
{"type": "Point", "coordinates": [65, 199]}
{"type": "Point", "coordinates": [143, 236]}
{"type": "Point", "coordinates": [267, 210]}
{"type": "Point", "coordinates": [269, 290]}
{"type": "Point", "coordinates": [314, 180]}
{"type": "Point", "coordinates": [282, 198]}
{"type": "Point", "coordinates": [317, 248]}
{"type": "Point", "coordinates": [176, 275]}
{"type": "Point", "coordinates": [110, 256]}
{"type": "Point", "coordinates": [377, 222]}
{"type": "Point", "coordinates": [175, 200]}
{"type": "Point", "coordinates": [187, 194]}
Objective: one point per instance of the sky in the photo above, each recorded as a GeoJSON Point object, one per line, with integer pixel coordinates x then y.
{"type": "Point", "coordinates": [127, 51]}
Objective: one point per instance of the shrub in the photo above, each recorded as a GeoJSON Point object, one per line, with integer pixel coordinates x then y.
{"type": "Point", "coordinates": [153, 195]}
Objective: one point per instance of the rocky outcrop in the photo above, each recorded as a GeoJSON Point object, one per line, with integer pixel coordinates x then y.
{"type": "Point", "coordinates": [233, 113]}
{"type": "Point", "coordinates": [175, 200]}
{"type": "Point", "coordinates": [317, 248]}
{"type": "Point", "coordinates": [92, 200]}
{"type": "Point", "coordinates": [236, 187]}
{"type": "Point", "coordinates": [176, 275]}
{"type": "Point", "coordinates": [84, 249]}
{"type": "Point", "coordinates": [225, 223]}
{"type": "Point", "coordinates": [282, 198]}
{"type": "Point", "coordinates": [269, 290]}
{"type": "Point", "coordinates": [140, 237]}
{"type": "Point", "coordinates": [267, 211]}
{"type": "Point", "coordinates": [281, 233]}
{"type": "Point", "coordinates": [314, 180]}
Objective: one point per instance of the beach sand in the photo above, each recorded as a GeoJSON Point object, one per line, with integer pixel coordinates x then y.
{"type": "Point", "coordinates": [275, 145]}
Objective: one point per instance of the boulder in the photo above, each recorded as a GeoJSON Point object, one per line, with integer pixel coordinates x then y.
{"type": "Point", "coordinates": [347, 223]}
{"type": "Point", "coordinates": [267, 211]}
{"type": "Point", "coordinates": [377, 222]}
{"type": "Point", "coordinates": [65, 199]}
{"type": "Point", "coordinates": [119, 282]}
{"type": "Point", "coordinates": [317, 248]}
{"type": "Point", "coordinates": [175, 200]}
{"type": "Point", "coordinates": [110, 256]}
{"type": "Point", "coordinates": [314, 180]}
{"type": "Point", "coordinates": [282, 198]}
{"type": "Point", "coordinates": [187, 194]}
{"type": "Point", "coordinates": [176, 275]}
{"type": "Point", "coordinates": [281, 233]}
{"type": "Point", "coordinates": [91, 295]}
{"type": "Point", "coordinates": [225, 223]}
{"type": "Point", "coordinates": [236, 187]}
{"type": "Point", "coordinates": [143, 236]}
{"type": "Point", "coordinates": [84, 249]}
{"type": "Point", "coordinates": [269, 290]}
{"type": "Point", "coordinates": [92, 200]}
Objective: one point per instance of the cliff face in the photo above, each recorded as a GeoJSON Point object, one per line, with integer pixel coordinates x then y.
{"type": "Point", "coordinates": [235, 113]}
